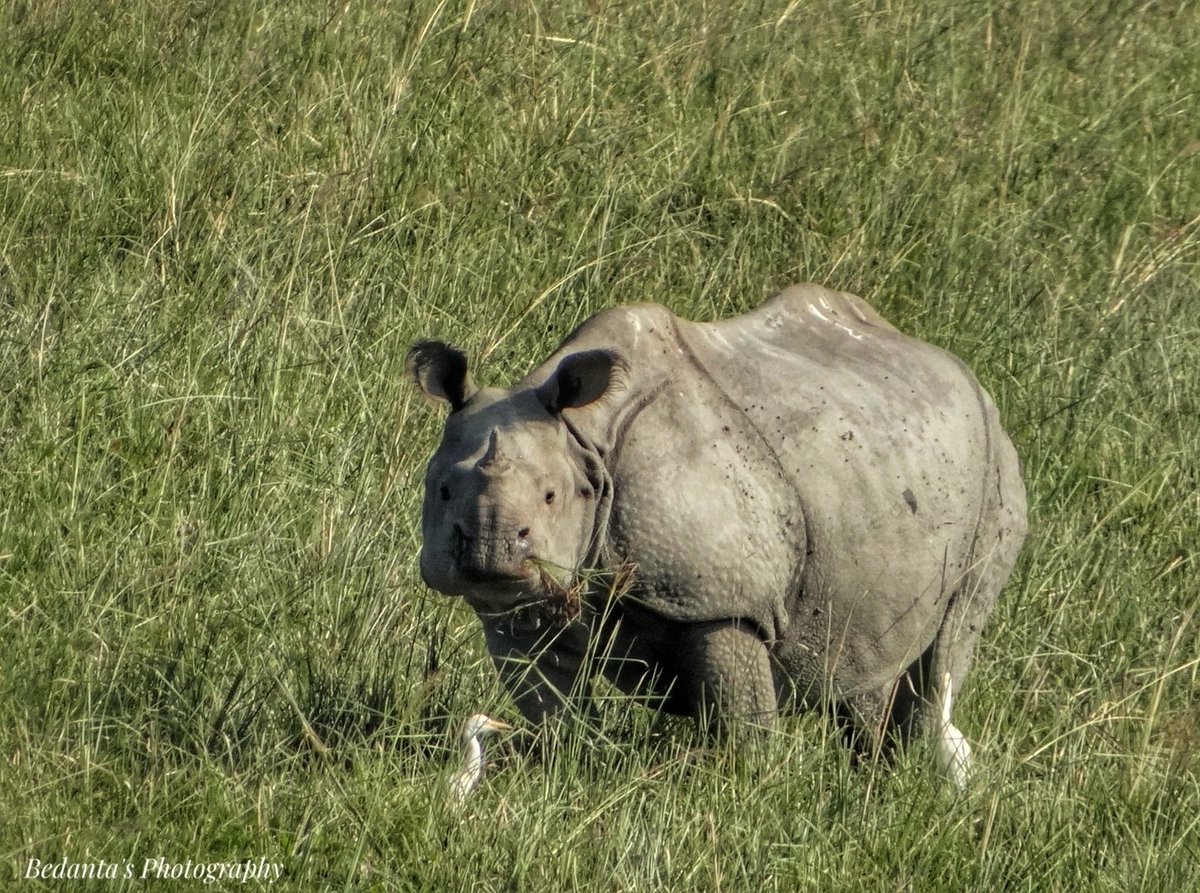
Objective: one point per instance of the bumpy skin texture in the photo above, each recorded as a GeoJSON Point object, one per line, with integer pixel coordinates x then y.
{"type": "Point", "coordinates": [820, 510]}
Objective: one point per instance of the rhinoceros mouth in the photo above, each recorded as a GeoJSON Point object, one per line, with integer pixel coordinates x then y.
{"type": "Point", "coordinates": [534, 586]}
{"type": "Point", "coordinates": [525, 577]}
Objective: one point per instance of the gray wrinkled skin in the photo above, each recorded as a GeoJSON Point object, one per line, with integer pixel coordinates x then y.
{"type": "Point", "coordinates": [819, 511]}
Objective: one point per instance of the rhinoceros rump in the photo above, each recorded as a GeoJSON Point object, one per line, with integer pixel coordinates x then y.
{"type": "Point", "coordinates": [819, 510]}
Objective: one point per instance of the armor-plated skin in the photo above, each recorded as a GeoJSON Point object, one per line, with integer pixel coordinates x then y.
{"type": "Point", "coordinates": [816, 509]}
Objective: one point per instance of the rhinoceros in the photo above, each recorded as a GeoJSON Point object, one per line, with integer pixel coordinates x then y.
{"type": "Point", "coordinates": [798, 507]}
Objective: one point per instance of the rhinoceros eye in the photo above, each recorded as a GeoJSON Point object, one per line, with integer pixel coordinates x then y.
{"type": "Point", "coordinates": [549, 496]}
{"type": "Point", "coordinates": [444, 493]}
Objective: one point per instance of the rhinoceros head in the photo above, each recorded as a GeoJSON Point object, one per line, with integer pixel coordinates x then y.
{"type": "Point", "coordinates": [511, 493]}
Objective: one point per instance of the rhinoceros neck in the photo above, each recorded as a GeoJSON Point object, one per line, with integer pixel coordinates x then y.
{"type": "Point", "coordinates": [601, 481]}
{"type": "Point", "coordinates": [599, 428]}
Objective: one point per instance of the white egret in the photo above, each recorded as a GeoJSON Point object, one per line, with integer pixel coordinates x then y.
{"type": "Point", "coordinates": [953, 750]}
{"type": "Point", "coordinates": [464, 780]}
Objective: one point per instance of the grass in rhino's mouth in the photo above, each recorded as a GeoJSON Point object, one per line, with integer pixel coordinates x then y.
{"type": "Point", "coordinates": [563, 601]}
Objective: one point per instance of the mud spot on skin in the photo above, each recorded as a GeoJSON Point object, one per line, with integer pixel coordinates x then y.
{"type": "Point", "coordinates": [911, 500]}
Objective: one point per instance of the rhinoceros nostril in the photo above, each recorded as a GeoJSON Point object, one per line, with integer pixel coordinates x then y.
{"type": "Point", "coordinates": [458, 544]}
{"type": "Point", "coordinates": [523, 533]}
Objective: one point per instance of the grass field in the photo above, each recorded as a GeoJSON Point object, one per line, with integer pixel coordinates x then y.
{"type": "Point", "coordinates": [221, 225]}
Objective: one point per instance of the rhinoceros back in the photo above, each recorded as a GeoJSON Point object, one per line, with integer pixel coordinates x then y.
{"type": "Point", "coordinates": [887, 441]}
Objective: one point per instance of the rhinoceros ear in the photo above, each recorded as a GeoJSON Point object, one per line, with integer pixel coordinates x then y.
{"type": "Point", "coordinates": [441, 372]}
{"type": "Point", "coordinates": [579, 379]}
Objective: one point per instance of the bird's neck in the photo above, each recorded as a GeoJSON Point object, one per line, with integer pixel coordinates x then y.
{"type": "Point", "coordinates": [474, 762]}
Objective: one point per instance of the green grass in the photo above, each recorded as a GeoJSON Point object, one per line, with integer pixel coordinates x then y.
{"type": "Point", "coordinates": [221, 224]}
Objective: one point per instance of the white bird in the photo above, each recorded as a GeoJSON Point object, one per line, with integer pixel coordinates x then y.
{"type": "Point", "coordinates": [464, 780]}
{"type": "Point", "coordinates": [953, 750]}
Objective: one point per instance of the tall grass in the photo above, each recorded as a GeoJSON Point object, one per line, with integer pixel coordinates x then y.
{"type": "Point", "coordinates": [221, 224]}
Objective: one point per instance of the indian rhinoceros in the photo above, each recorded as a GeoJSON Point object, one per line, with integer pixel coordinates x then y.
{"type": "Point", "coordinates": [795, 507]}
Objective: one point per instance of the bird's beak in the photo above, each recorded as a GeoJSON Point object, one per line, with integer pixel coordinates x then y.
{"type": "Point", "coordinates": [497, 725]}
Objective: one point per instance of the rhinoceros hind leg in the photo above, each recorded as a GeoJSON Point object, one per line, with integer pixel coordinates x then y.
{"type": "Point", "coordinates": [731, 671]}
{"type": "Point", "coordinates": [969, 609]}
{"type": "Point", "coordinates": [953, 653]}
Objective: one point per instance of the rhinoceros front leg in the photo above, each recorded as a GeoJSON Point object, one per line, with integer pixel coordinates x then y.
{"type": "Point", "coordinates": [540, 663]}
{"type": "Point", "coordinates": [730, 671]}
